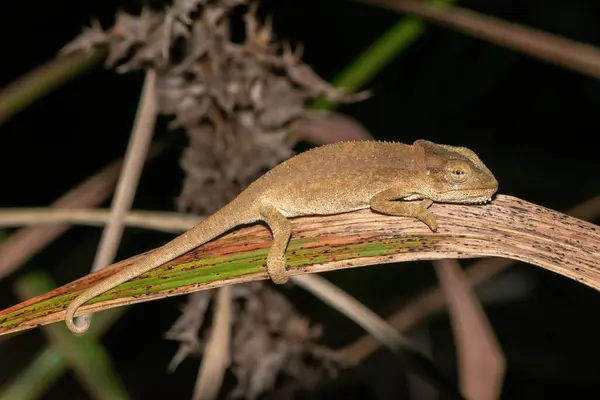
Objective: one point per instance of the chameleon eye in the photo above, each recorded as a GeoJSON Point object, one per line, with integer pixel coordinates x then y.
{"type": "Point", "coordinates": [457, 171]}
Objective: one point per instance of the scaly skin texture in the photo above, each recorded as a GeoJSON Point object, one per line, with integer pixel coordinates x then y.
{"type": "Point", "coordinates": [390, 178]}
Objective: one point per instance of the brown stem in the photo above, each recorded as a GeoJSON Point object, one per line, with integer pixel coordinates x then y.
{"type": "Point", "coordinates": [554, 49]}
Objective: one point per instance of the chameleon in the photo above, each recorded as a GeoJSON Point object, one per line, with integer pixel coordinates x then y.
{"type": "Point", "coordinates": [391, 178]}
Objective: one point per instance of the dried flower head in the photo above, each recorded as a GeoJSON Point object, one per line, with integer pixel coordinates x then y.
{"type": "Point", "coordinates": [235, 100]}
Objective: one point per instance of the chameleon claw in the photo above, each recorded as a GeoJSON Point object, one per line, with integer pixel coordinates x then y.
{"type": "Point", "coordinates": [428, 219]}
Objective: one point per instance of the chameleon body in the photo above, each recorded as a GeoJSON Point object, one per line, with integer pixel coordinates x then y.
{"type": "Point", "coordinates": [388, 177]}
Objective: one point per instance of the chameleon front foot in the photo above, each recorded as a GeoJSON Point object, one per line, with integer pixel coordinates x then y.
{"type": "Point", "coordinates": [426, 216]}
{"type": "Point", "coordinates": [418, 210]}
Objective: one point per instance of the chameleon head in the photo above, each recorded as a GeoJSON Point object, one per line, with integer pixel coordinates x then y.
{"type": "Point", "coordinates": [455, 175]}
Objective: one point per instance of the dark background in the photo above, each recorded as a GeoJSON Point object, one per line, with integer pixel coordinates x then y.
{"type": "Point", "coordinates": [533, 124]}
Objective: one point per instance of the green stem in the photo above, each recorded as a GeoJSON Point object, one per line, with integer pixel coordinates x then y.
{"type": "Point", "coordinates": [49, 365]}
{"type": "Point", "coordinates": [34, 85]}
{"type": "Point", "coordinates": [379, 54]}
{"type": "Point", "coordinates": [84, 354]}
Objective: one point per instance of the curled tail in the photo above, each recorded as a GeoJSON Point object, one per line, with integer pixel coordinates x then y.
{"type": "Point", "coordinates": [222, 221]}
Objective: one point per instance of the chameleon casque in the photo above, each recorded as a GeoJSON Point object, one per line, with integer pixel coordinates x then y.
{"type": "Point", "coordinates": [388, 177]}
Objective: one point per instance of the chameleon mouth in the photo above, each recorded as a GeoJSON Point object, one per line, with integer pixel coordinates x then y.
{"type": "Point", "coordinates": [481, 196]}
{"type": "Point", "coordinates": [484, 201]}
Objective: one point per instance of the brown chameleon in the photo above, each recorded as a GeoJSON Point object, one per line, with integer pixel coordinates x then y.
{"type": "Point", "coordinates": [388, 177]}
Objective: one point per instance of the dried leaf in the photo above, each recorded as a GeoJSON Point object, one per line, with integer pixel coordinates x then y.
{"type": "Point", "coordinates": [480, 359]}
{"type": "Point", "coordinates": [186, 328]}
{"type": "Point", "coordinates": [508, 227]}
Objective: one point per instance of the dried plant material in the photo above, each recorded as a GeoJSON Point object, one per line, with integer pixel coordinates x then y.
{"type": "Point", "coordinates": [508, 227]}
{"type": "Point", "coordinates": [216, 357]}
{"type": "Point", "coordinates": [432, 300]}
{"type": "Point", "coordinates": [320, 128]}
{"type": "Point", "coordinates": [225, 174]}
{"type": "Point", "coordinates": [551, 48]}
{"type": "Point", "coordinates": [186, 328]}
{"type": "Point", "coordinates": [235, 100]}
{"type": "Point", "coordinates": [270, 340]}
{"type": "Point", "coordinates": [481, 362]}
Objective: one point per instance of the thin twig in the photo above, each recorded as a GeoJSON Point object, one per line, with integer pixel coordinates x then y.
{"type": "Point", "coordinates": [433, 301]}
{"type": "Point", "coordinates": [135, 156]}
{"type": "Point", "coordinates": [554, 49]}
{"type": "Point", "coordinates": [410, 356]}
{"type": "Point", "coordinates": [171, 222]}
{"type": "Point", "coordinates": [216, 358]}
